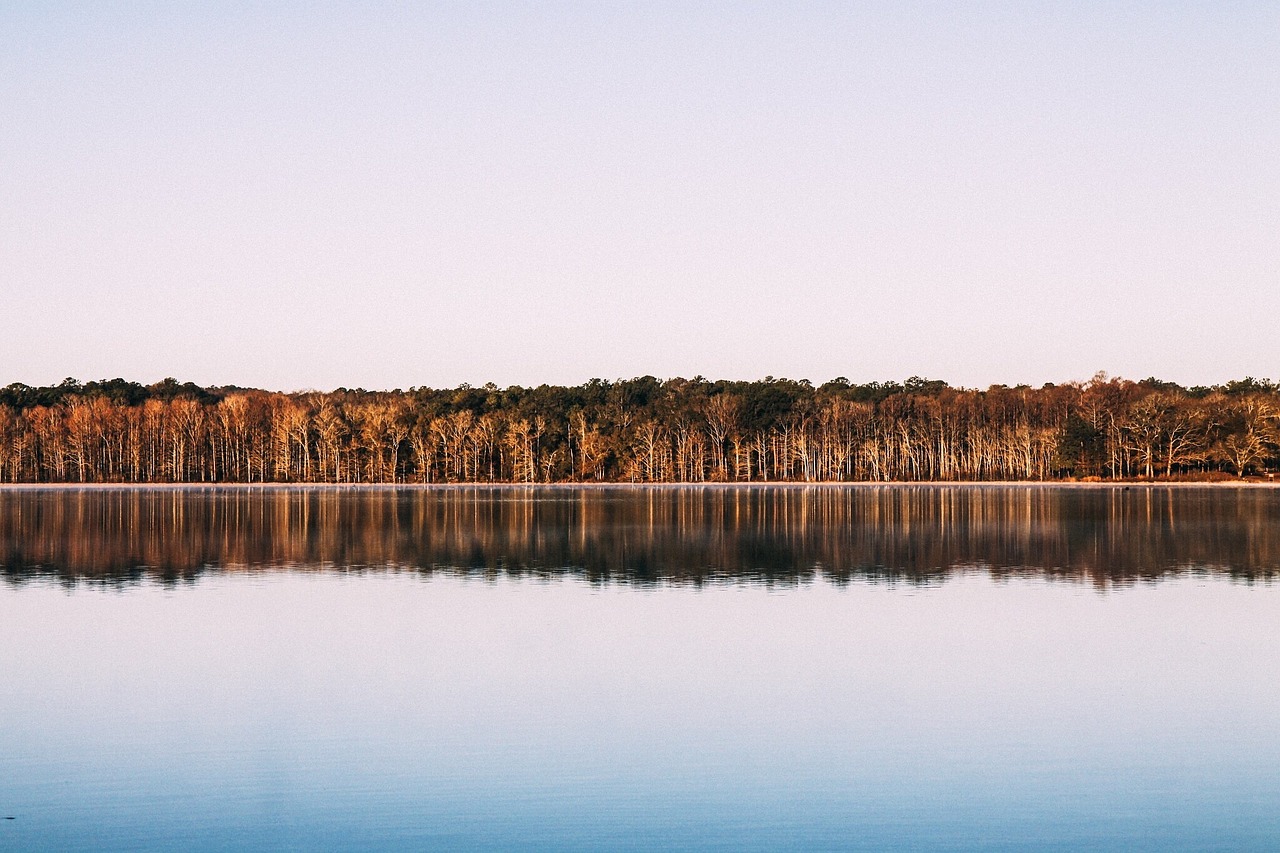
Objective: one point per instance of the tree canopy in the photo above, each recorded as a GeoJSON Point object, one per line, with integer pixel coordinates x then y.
{"type": "Point", "coordinates": [638, 430]}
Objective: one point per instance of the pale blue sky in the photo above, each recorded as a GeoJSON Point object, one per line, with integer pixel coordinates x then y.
{"type": "Point", "coordinates": [312, 195]}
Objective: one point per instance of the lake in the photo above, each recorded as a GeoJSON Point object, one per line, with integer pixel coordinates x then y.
{"type": "Point", "coordinates": [694, 668]}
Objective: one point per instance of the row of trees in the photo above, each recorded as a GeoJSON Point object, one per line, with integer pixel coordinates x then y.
{"type": "Point", "coordinates": [637, 430]}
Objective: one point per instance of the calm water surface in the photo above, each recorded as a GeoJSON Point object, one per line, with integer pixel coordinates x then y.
{"type": "Point", "coordinates": [995, 668]}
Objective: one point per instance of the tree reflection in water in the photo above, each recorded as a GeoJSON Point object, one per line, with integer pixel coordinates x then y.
{"type": "Point", "coordinates": [644, 535]}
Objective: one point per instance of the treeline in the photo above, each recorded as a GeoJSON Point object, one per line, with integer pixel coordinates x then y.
{"type": "Point", "coordinates": [638, 430]}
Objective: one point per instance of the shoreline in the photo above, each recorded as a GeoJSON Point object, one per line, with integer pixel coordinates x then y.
{"type": "Point", "coordinates": [778, 484]}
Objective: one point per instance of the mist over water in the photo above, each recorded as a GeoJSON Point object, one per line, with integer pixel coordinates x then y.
{"type": "Point", "coordinates": [913, 668]}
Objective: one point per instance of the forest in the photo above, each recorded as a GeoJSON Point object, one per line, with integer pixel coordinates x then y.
{"type": "Point", "coordinates": [639, 430]}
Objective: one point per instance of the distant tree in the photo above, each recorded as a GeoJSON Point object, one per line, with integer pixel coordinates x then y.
{"type": "Point", "coordinates": [1081, 447]}
{"type": "Point", "coordinates": [1249, 432]}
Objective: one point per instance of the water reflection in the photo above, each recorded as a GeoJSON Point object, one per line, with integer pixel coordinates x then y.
{"type": "Point", "coordinates": [682, 535]}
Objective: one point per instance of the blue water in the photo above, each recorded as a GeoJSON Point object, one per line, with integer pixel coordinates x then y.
{"type": "Point", "coordinates": [295, 709]}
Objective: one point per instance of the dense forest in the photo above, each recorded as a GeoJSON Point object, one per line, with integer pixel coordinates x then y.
{"type": "Point", "coordinates": [638, 430]}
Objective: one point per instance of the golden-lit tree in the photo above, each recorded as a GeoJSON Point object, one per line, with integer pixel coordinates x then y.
{"type": "Point", "coordinates": [642, 430]}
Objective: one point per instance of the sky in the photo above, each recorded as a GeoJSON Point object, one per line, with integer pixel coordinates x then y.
{"type": "Point", "coordinates": [314, 195]}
